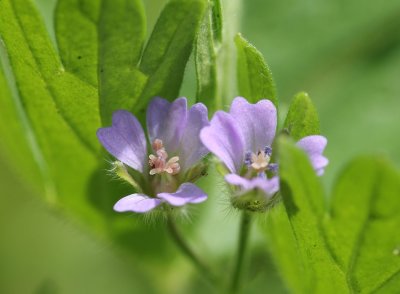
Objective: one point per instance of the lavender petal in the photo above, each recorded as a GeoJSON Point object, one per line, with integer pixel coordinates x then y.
{"type": "Point", "coordinates": [257, 122]}
{"type": "Point", "coordinates": [137, 203]}
{"type": "Point", "coordinates": [224, 139]}
{"type": "Point", "coordinates": [186, 193]}
{"type": "Point", "coordinates": [268, 186]}
{"type": "Point", "coordinates": [314, 146]}
{"type": "Point", "coordinates": [167, 121]}
{"type": "Point", "coordinates": [125, 140]}
{"type": "Point", "coordinates": [192, 149]}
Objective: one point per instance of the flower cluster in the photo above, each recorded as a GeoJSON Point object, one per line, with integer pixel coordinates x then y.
{"type": "Point", "coordinates": [180, 137]}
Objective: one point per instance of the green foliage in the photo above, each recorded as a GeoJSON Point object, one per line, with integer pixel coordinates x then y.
{"type": "Point", "coordinates": [121, 34]}
{"type": "Point", "coordinates": [361, 225]}
{"type": "Point", "coordinates": [52, 104]}
{"type": "Point", "coordinates": [343, 245]}
{"type": "Point", "coordinates": [254, 76]}
{"type": "Point", "coordinates": [166, 54]}
{"type": "Point", "coordinates": [58, 102]}
{"type": "Point", "coordinates": [207, 44]}
{"type": "Point", "coordinates": [302, 118]}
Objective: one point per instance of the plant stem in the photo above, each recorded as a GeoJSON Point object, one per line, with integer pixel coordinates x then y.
{"type": "Point", "coordinates": [245, 224]}
{"type": "Point", "coordinates": [184, 247]}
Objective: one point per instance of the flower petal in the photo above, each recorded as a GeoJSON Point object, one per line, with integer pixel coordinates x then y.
{"type": "Point", "coordinates": [192, 149]}
{"type": "Point", "coordinates": [237, 180]}
{"type": "Point", "coordinates": [257, 122]}
{"type": "Point", "coordinates": [268, 186]}
{"type": "Point", "coordinates": [167, 121]}
{"type": "Point", "coordinates": [125, 139]}
{"type": "Point", "coordinates": [224, 139]}
{"type": "Point", "coordinates": [137, 203]}
{"type": "Point", "coordinates": [186, 193]}
{"type": "Point", "coordinates": [314, 147]}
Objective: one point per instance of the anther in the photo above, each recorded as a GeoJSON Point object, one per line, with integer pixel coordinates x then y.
{"type": "Point", "coordinates": [159, 163]}
{"type": "Point", "coordinates": [268, 151]}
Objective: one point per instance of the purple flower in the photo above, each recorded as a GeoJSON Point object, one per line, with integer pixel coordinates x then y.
{"type": "Point", "coordinates": [242, 140]}
{"type": "Point", "coordinates": [173, 131]}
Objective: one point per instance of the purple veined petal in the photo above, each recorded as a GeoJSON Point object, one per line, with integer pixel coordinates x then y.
{"type": "Point", "coordinates": [224, 139]}
{"type": "Point", "coordinates": [268, 186]}
{"type": "Point", "coordinates": [125, 140]}
{"type": "Point", "coordinates": [314, 146]}
{"type": "Point", "coordinates": [186, 193]}
{"type": "Point", "coordinates": [192, 149]}
{"type": "Point", "coordinates": [167, 121]}
{"type": "Point", "coordinates": [137, 203]}
{"type": "Point", "coordinates": [257, 122]}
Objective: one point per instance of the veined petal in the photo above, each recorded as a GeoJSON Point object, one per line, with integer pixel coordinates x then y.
{"type": "Point", "coordinates": [257, 122]}
{"type": "Point", "coordinates": [224, 139]}
{"type": "Point", "coordinates": [125, 139]}
{"type": "Point", "coordinates": [268, 186]}
{"type": "Point", "coordinates": [137, 203]}
{"type": "Point", "coordinates": [192, 149]}
{"type": "Point", "coordinates": [167, 121]}
{"type": "Point", "coordinates": [314, 147]}
{"type": "Point", "coordinates": [186, 193]}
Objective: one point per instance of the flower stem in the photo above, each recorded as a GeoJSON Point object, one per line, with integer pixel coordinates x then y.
{"type": "Point", "coordinates": [184, 247]}
{"type": "Point", "coordinates": [245, 224]}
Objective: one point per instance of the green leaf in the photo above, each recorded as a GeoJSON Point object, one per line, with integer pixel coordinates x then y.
{"type": "Point", "coordinates": [363, 219]}
{"type": "Point", "coordinates": [122, 30]}
{"type": "Point", "coordinates": [281, 243]}
{"type": "Point", "coordinates": [169, 48]}
{"type": "Point", "coordinates": [302, 118]}
{"type": "Point", "coordinates": [76, 31]}
{"type": "Point", "coordinates": [342, 246]}
{"type": "Point", "coordinates": [206, 62]}
{"type": "Point", "coordinates": [16, 145]}
{"type": "Point", "coordinates": [303, 198]}
{"type": "Point", "coordinates": [255, 80]}
{"type": "Point", "coordinates": [38, 80]}
{"type": "Point", "coordinates": [62, 114]}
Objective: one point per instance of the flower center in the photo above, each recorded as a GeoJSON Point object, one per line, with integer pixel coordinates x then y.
{"type": "Point", "coordinates": [160, 163]}
{"type": "Point", "coordinates": [259, 162]}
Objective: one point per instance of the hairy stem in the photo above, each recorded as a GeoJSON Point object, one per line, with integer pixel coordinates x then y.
{"type": "Point", "coordinates": [244, 233]}
{"type": "Point", "coordinates": [188, 252]}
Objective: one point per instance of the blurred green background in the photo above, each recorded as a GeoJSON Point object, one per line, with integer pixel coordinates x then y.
{"type": "Point", "coordinates": [345, 54]}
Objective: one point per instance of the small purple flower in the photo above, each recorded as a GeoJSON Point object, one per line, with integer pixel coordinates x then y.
{"type": "Point", "coordinates": [175, 151]}
{"type": "Point", "coordinates": [242, 140]}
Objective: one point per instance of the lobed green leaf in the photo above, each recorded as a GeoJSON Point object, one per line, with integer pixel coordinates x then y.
{"type": "Point", "coordinates": [342, 246]}
{"type": "Point", "coordinates": [62, 114]}
{"type": "Point", "coordinates": [76, 32]}
{"type": "Point", "coordinates": [363, 215]}
{"type": "Point", "coordinates": [122, 31]}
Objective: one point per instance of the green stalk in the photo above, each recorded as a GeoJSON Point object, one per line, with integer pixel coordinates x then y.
{"type": "Point", "coordinates": [226, 52]}
{"type": "Point", "coordinates": [244, 233]}
{"type": "Point", "coordinates": [188, 252]}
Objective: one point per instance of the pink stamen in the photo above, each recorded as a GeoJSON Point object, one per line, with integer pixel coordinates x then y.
{"type": "Point", "coordinates": [159, 163]}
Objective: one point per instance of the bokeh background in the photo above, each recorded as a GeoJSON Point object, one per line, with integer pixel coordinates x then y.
{"type": "Point", "coordinates": [344, 53]}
